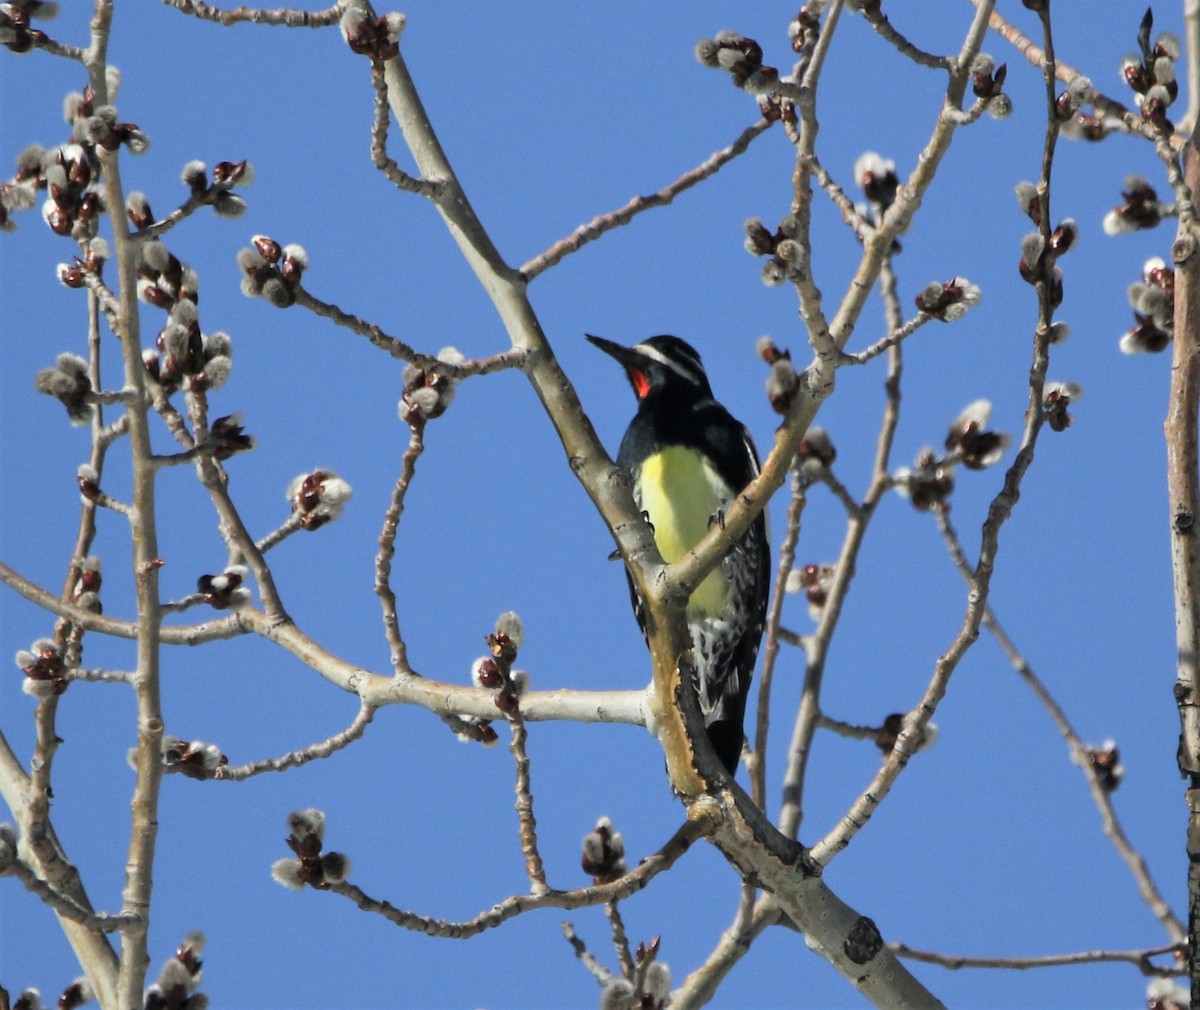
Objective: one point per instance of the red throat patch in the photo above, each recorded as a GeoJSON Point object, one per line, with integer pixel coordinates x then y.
{"type": "Point", "coordinates": [641, 385]}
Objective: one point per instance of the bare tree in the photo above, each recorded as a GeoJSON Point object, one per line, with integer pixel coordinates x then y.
{"type": "Point", "coordinates": [155, 417]}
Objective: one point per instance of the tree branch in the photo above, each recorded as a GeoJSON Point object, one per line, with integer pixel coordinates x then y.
{"type": "Point", "coordinates": [1141, 958]}
{"type": "Point", "coordinates": [1100, 796]}
{"type": "Point", "coordinates": [387, 547]}
{"type": "Point", "coordinates": [1183, 498]}
{"type": "Point", "coordinates": [294, 759]}
{"type": "Point", "coordinates": [285, 16]}
{"type": "Point", "coordinates": [96, 922]}
{"type": "Point", "coordinates": [602, 223]}
{"type": "Point", "coordinates": [519, 904]}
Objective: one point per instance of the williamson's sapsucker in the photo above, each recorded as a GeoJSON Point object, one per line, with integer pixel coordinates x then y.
{"type": "Point", "coordinates": [687, 458]}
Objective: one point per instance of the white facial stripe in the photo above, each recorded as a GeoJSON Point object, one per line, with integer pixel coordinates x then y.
{"type": "Point", "coordinates": [656, 355]}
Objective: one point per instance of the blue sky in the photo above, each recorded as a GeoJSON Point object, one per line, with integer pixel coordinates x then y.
{"type": "Point", "coordinates": [989, 844]}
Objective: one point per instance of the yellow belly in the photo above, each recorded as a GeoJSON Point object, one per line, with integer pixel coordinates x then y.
{"type": "Point", "coordinates": [681, 492]}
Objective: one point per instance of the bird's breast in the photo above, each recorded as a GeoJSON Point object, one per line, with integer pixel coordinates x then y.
{"type": "Point", "coordinates": [681, 491]}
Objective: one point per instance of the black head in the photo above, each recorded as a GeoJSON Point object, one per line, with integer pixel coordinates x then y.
{"type": "Point", "coordinates": [659, 365]}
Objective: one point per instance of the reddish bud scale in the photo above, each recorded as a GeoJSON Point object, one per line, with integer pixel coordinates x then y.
{"type": "Point", "coordinates": [79, 172]}
{"type": "Point", "coordinates": [140, 217]}
{"type": "Point", "coordinates": [226, 173]}
{"type": "Point", "coordinates": [1056, 413]}
{"type": "Point", "coordinates": [502, 646]}
{"type": "Point", "coordinates": [73, 277]}
{"type": "Point", "coordinates": [1062, 239]}
{"type": "Point", "coordinates": [59, 221]}
{"type": "Point", "coordinates": [825, 456]}
{"type": "Point", "coordinates": [506, 701]}
{"type": "Point", "coordinates": [89, 206]}
{"type": "Point", "coordinates": [290, 271]}
{"type": "Point", "coordinates": [1162, 277]}
{"type": "Point", "coordinates": [370, 38]}
{"type": "Point", "coordinates": [807, 27]}
{"type": "Point", "coordinates": [268, 248]}
{"type": "Point", "coordinates": [72, 996]}
{"type": "Point", "coordinates": [489, 674]}
{"type": "Point", "coordinates": [885, 740]}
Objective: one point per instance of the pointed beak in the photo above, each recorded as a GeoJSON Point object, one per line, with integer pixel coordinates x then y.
{"type": "Point", "coordinates": [625, 355]}
{"type": "Point", "coordinates": [632, 361]}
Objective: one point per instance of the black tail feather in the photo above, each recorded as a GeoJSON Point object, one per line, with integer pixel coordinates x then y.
{"type": "Point", "coordinates": [725, 735]}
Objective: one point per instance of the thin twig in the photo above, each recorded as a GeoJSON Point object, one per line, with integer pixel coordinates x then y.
{"type": "Point", "coordinates": [787, 560]}
{"type": "Point", "coordinates": [233, 529]}
{"type": "Point", "coordinates": [1130, 121]}
{"type": "Point", "coordinates": [886, 30]}
{"type": "Point", "coordinates": [106, 501]}
{"type": "Point", "coordinates": [285, 16]}
{"type": "Point", "coordinates": [195, 634]}
{"type": "Point", "coordinates": [839, 491]}
{"type": "Point", "coordinates": [197, 201]}
{"type": "Point", "coordinates": [511, 907]}
{"type": "Point", "coordinates": [596, 227]}
{"type": "Point", "coordinates": [397, 348]}
{"type": "Point", "coordinates": [702, 984]}
{"type": "Point", "coordinates": [178, 458]}
{"type": "Point", "coordinates": [33, 808]}
{"type": "Point", "coordinates": [273, 539]}
{"type": "Point", "coordinates": [296, 758]}
{"type": "Point", "coordinates": [889, 291]}
{"type": "Point", "coordinates": [431, 188]}
{"type": "Point", "coordinates": [173, 420]}
{"type": "Point", "coordinates": [1141, 958]}
{"type": "Point", "coordinates": [99, 922]}
{"type": "Point", "coordinates": [99, 675]}
{"type": "Point", "coordinates": [1079, 755]}
{"type": "Point", "coordinates": [52, 46]}
{"type": "Point", "coordinates": [387, 547]}
{"type": "Point", "coordinates": [849, 730]}
{"type": "Point", "coordinates": [106, 301]}
{"type": "Point", "coordinates": [620, 938]}
{"type": "Point", "coordinates": [792, 638]}
{"type": "Point", "coordinates": [817, 645]}
{"type": "Point", "coordinates": [891, 340]}
{"type": "Point", "coordinates": [909, 739]}
{"type": "Point", "coordinates": [815, 323]}
{"type": "Point", "coordinates": [534, 867]}
{"type": "Point", "coordinates": [965, 117]}
{"type": "Point", "coordinates": [850, 213]}
{"type": "Point", "coordinates": [184, 603]}
{"type": "Point", "coordinates": [110, 433]}
{"type": "Point", "coordinates": [595, 968]}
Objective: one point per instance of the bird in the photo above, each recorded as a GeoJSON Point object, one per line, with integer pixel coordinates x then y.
{"type": "Point", "coordinates": [687, 458]}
